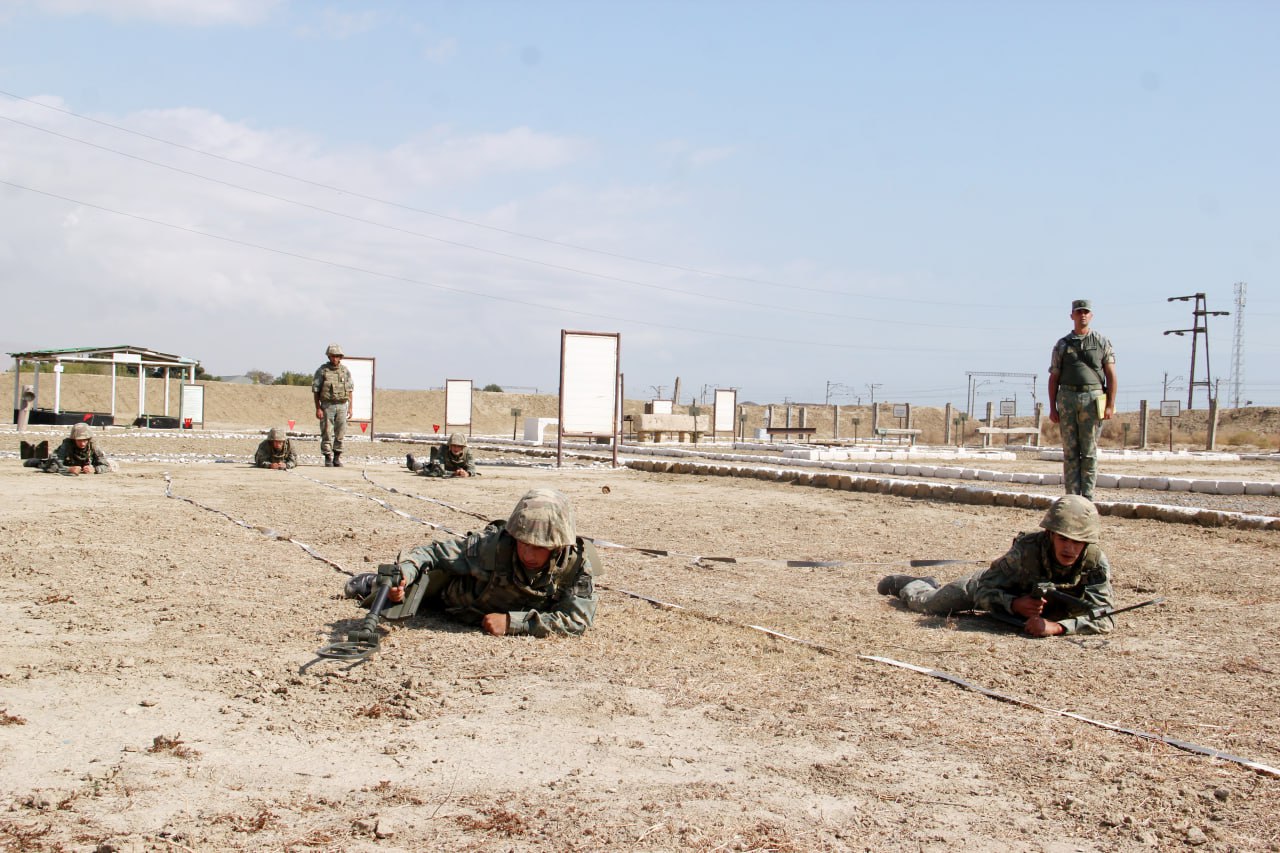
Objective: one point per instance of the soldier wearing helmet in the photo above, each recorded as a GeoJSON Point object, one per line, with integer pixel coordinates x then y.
{"type": "Point", "coordinates": [332, 389]}
{"type": "Point", "coordinates": [79, 453]}
{"type": "Point", "coordinates": [452, 460]}
{"type": "Point", "coordinates": [530, 574]}
{"type": "Point", "coordinates": [1064, 553]}
{"type": "Point", "coordinates": [276, 451]}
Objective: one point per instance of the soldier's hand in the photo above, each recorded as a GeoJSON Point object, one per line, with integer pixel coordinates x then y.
{"type": "Point", "coordinates": [1028, 606]}
{"type": "Point", "coordinates": [1053, 415]}
{"type": "Point", "coordinates": [461, 472]}
{"type": "Point", "coordinates": [396, 593]}
{"type": "Point", "coordinates": [1040, 627]}
{"type": "Point", "coordinates": [495, 624]}
{"type": "Point", "coordinates": [319, 413]}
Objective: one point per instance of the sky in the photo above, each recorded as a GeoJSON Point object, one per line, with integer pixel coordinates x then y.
{"type": "Point", "coordinates": [809, 202]}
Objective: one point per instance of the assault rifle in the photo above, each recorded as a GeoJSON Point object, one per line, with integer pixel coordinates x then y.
{"type": "Point", "coordinates": [1074, 607]}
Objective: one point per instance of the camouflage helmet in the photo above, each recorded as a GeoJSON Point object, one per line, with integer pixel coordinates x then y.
{"type": "Point", "coordinates": [543, 517]}
{"type": "Point", "coordinates": [1074, 517]}
{"type": "Point", "coordinates": [333, 349]}
{"type": "Point", "coordinates": [80, 430]}
{"type": "Point", "coordinates": [457, 439]}
{"type": "Point", "coordinates": [278, 434]}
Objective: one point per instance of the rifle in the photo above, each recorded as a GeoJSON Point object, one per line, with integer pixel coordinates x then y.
{"type": "Point", "coordinates": [1074, 606]}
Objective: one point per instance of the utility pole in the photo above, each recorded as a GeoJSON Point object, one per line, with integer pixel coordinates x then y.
{"type": "Point", "coordinates": [1199, 326]}
{"type": "Point", "coordinates": [872, 386]}
{"type": "Point", "coordinates": [1237, 348]}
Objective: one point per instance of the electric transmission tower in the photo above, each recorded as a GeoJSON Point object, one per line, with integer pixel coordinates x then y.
{"type": "Point", "coordinates": [1237, 347]}
{"type": "Point", "coordinates": [1199, 327]}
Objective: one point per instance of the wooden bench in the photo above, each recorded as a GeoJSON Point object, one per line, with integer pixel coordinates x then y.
{"type": "Point", "coordinates": [899, 434]}
{"type": "Point", "coordinates": [787, 432]}
{"type": "Point", "coordinates": [986, 432]}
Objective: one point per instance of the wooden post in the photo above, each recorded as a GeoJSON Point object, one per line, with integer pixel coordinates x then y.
{"type": "Point", "coordinates": [946, 425]}
{"type": "Point", "coordinates": [1142, 425]}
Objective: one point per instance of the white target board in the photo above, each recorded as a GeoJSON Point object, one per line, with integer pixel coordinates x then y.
{"type": "Point", "coordinates": [590, 377]}
{"type": "Point", "coordinates": [191, 405]}
{"type": "Point", "coordinates": [362, 377]}
{"type": "Point", "coordinates": [457, 403]}
{"type": "Point", "coordinates": [725, 410]}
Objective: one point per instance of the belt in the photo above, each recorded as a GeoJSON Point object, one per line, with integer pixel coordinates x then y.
{"type": "Point", "coordinates": [1079, 388]}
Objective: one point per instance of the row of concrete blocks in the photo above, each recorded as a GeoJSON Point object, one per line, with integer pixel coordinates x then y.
{"type": "Point", "coordinates": [826, 454]}
{"type": "Point", "coordinates": [959, 494]}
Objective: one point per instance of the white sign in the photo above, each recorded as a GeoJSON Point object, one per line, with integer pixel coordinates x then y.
{"type": "Point", "coordinates": [191, 405]}
{"type": "Point", "coordinates": [899, 410]}
{"type": "Point", "coordinates": [457, 402]}
{"type": "Point", "coordinates": [362, 371]}
{"type": "Point", "coordinates": [1170, 408]}
{"type": "Point", "coordinates": [725, 410]}
{"type": "Point", "coordinates": [589, 383]}
{"type": "Point", "coordinates": [1008, 408]}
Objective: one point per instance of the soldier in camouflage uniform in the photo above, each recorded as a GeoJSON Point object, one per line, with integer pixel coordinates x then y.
{"type": "Point", "coordinates": [528, 575]}
{"type": "Point", "coordinates": [332, 389]}
{"type": "Point", "coordinates": [79, 453]}
{"type": "Point", "coordinates": [1082, 394]}
{"type": "Point", "coordinates": [276, 451]}
{"type": "Point", "coordinates": [1065, 553]}
{"type": "Point", "coordinates": [453, 460]}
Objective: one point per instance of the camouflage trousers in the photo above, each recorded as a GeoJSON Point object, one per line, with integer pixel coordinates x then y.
{"type": "Point", "coordinates": [923, 597]}
{"type": "Point", "coordinates": [1080, 424]}
{"type": "Point", "coordinates": [333, 427]}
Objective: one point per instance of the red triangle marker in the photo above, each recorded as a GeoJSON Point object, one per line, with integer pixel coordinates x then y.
{"type": "Point", "coordinates": [291, 423]}
{"type": "Point", "coordinates": [88, 417]}
{"type": "Point", "coordinates": [364, 427]}
{"type": "Point", "coordinates": [435, 427]}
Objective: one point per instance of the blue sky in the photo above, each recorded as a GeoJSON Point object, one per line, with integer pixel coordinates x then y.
{"type": "Point", "coordinates": [800, 200]}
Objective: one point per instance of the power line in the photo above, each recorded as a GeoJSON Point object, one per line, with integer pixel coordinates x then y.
{"type": "Point", "coordinates": [470, 223]}
{"type": "Point", "coordinates": [423, 283]}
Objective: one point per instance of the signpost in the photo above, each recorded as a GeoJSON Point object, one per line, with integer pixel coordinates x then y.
{"type": "Point", "coordinates": [1170, 409]}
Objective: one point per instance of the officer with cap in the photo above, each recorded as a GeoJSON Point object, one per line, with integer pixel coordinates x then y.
{"type": "Point", "coordinates": [452, 460]}
{"type": "Point", "coordinates": [1082, 394]}
{"type": "Point", "coordinates": [1064, 553]}
{"type": "Point", "coordinates": [276, 451]}
{"type": "Point", "coordinates": [528, 575]}
{"type": "Point", "coordinates": [332, 389]}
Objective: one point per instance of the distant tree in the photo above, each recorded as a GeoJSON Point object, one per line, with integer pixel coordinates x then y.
{"type": "Point", "coordinates": [205, 376]}
{"type": "Point", "coordinates": [492, 387]}
{"type": "Point", "coordinates": [291, 378]}
{"type": "Point", "coordinates": [260, 377]}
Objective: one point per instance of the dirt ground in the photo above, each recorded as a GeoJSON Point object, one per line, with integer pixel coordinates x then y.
{"type": "Point", "coordinates": [159, 688]}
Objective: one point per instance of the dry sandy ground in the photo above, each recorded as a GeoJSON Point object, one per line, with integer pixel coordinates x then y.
{"type": "Point", "coordinates": [160, 690]}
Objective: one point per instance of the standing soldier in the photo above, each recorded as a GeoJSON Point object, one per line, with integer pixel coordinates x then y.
{"type": "Point", "coordinates": [276, 451]}
{"type": "Point", "coordinates": [332, 389]}
{"type": "Point", "coordinates": [1082, 394]}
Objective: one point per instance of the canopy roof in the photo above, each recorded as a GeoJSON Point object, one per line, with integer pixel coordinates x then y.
{"type": "Point", "coordinates": [108, 354]}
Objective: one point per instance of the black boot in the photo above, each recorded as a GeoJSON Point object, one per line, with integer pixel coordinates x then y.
{"type": "Point", "coordinates": [893, 584]}
{"type": "Point", "coordinates": [337, 459]}
{"type": "Point", "coordinates": [328, 460]}
{"type": "Point", "coordinates": [410, 462]}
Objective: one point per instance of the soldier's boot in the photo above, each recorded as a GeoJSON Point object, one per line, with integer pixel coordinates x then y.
{"type": "Point", "coordinates": [328, 460]}
{"type": "Point", "coordinates": [337, 459]}
{"type": "Point", "coordinates": [359, 586]}
{"type": "Point", "coordinates": [410, 462]}
{"type": "Point", "coordinates": [893, 584]}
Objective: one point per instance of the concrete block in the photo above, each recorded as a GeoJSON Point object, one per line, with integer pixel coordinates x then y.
{"type": "Point", "coordinates": [1179, 484]}
{"type": "Point", "coordinates": [1259, 489]}
{"type": "Point", "coordinates": [1159, 484]}
{"type": "Point", "coordinates": [1205, 487]}
{"type": "Point", "coordinates": [1128, 481]}
{"type": "Point", "coordinates": [1230, 487]}
{"type": "Point", "coordinates": [1107, 481]}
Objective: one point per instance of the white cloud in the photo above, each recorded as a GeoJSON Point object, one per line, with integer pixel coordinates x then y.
{"type": "Point", "coordinates": [445, 157]}
{"type": "Point", "coordinates": [337, 25]}
{"type": "Point", "coordinates": [440, 51]}
{"type": "Point", "coordinates": [198, 13]}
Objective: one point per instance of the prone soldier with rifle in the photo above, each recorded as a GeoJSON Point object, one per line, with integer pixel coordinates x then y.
{"type": "Point", "coordinates": [1051, 581]}
{"type": "Point", "coordinates": [529, 575]}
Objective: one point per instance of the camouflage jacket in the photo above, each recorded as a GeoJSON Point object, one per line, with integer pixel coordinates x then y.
{"type": "Point", "coordinates": [479, 574]}
{"type": "Point", "coordinates": [443, 464]}
{"type": "Point", "coordinates": [1029, 562]}
{"type": "Point", "coordinates": [68, 455]}
{"type": "Point", "coordinates": [265, 455]}
{"type": "Point", "coordinates": [332, 384]}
